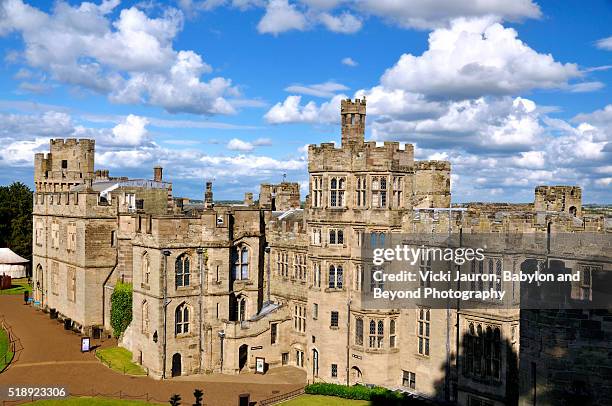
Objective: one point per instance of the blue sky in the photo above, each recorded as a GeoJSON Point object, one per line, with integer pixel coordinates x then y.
{"type": "Point", "coordinates": [513, 94]}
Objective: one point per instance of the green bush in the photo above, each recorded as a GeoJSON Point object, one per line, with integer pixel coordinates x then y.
{"type": "Point", "coordinates": [377, 395]}
{"type": "Point", "coordinates": [121, 308]}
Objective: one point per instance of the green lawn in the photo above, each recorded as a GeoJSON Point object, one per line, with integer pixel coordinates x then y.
{"type": "Point", "coordinates": [120, 360]}
{"type": "Point", "coordinates": [85, 401]}
{"type": "Point", "coordinates": [6, 355]}
{"type": "Point", "coordinates": [320, 400]}
{"type": "Point", "coordinates": [18, 287]}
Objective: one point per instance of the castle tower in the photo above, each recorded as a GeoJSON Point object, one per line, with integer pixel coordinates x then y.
{"type": "Point", "coordinates": [353, 121]}
{"type": "Point", "coordinates": [70, 162]}
{"type": "Point", "coordinates": [208, 196]}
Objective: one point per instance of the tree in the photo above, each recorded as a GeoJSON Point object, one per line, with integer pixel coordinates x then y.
{"type": "Point", "coordinates": [121, 308]}
{"type": "Point", "coordinates": [16, 219]}
{"type": "Point", "coordinates": [175, 400]}
{"type": "Point", "coordinates": [198, 394]}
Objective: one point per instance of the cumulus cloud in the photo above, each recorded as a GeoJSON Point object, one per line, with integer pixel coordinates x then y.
{"type": "Point", "coordinates": [281, 16]}
{"type": "Point", "coordinates": [131, 57]}
{"type": "Point", "coordinates": [346, 16]}
{"type": "Point", "coordinates": [236, 144]}
{"type": "Point", "coordinates": [437, 13]}
{"type": "Point", "coordinates": [293, 111]}
{"type": "Point", "coordinates": [475, 57]}
{"type": "Point", "coordinates": [345, 23]}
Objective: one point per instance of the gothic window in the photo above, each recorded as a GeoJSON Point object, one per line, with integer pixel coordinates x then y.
{"type": "Point", "coordinates": [316, 236]}
{"type": "Point", "coordinates": [376, 283]}
{"type": "Point", "coordinates": [335, 277]}
{"type": "Point", "coordinates": [336, 191]}
{"type": "Point", "coordinates": [379, 192]}
{"type": "Point", "coordinates": [242, 308]}
{"type": "Point", "coordinates": [336, 236]}
{"type": "Point", "coordinates": [71, 283]}
{"type": "Point", "coordinates": [240, 267]}
{"type": "Point", "coordinates": [361, 192]}
{"type": "Point", "coordinates": [498, 274]}
{"type": "Point", "coordinates": [146, 269]}
{"type": "Point", "coordinates": [392, 342]}
{"type": "Point", "coordinates": [398, 188]}
{"type": "Point", "coordinates": [358, 331]}
{"type": "Point", "coordinates": [380, 333]}
{"type": "Point", "coordinates": [423, 330]}
{"type": "Point", "coordinates": [145, 317]}
{"type": "Point", "coordinates": [182, 271]}
{"type": "Point", "coordinates": [483, 351]}
{"type": "Point", "coordinates": [424, 266]}
{"type": "Point", "coordinates": [372, 335]}
{"type": "Point", "coordinates": [317, 274]}
{"type": "Point", "coordinates": [317, 191]}
{"type": "Point", "coordinates": [181, 319]}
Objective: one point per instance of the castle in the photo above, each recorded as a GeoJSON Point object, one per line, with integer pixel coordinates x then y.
{"type": "Point", "coordinates": [217, 286]}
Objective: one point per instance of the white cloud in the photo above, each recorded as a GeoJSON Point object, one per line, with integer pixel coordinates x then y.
{"type": "Point", "coordinates": [131, 58]}
{"type": "Point", "coordinates": [584, 87]}
{"type": "Point", "coordinates": [327, 89]}
{"type": "Point", "coordinates": [348, 61]}
{"type": "Point", "coordinates": [604, 43]}
{"type": "Point", "coordinates": [292, 111]}
{"type": "Point", "coordinates": [437, 13]}
{"type": "Point", "coordinates": [280, 17]}
{"type": "Point", "coordinates": [346, 16]}
{"type": "Point", "coordinates": [345, 23]}
{"type": "Point", "coordinates": [238, 145]}
{"type": "Point", "coordinates": [477, 57]}
{"type": "Point", "coordinates": [262, 142]}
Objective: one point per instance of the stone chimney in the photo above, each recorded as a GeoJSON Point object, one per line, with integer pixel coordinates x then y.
{"type": "Point", "coordinates": [248, 198]}
{"type": "Point", "coordinates": [208, 196]}
{"type": "Point", "coordinates": [157, 173]}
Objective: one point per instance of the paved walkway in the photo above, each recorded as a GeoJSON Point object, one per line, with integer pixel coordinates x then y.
{"type": "Point", "coordinates": [51, 356]}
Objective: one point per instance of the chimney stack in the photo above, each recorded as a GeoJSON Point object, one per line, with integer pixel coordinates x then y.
{"type": "Point", "coordinates": [208, 196]}
{"type": "Point", "coordinates": [157, 173]}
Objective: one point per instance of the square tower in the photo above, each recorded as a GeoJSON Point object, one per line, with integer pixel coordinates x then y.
{"type": "Point", "coordinates": [353, 121]}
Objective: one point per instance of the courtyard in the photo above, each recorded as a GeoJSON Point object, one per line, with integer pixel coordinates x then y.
{"type": "Point", "coordinates": [51, 357]}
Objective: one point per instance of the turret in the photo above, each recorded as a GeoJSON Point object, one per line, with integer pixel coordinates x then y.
{"type": "Point", "coordinates": [353, 115]}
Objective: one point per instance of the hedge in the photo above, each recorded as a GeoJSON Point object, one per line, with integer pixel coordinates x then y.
{"type": "Point", "coordinates": [121, 308]}
{"type": "Point", "coordinates": [376, 395]}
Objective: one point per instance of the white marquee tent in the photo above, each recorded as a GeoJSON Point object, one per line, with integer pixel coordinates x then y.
{"type": "Point", "coordinates": [12, 264]}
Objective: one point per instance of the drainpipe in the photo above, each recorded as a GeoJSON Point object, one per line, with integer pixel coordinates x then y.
{"type": "Point", "coordinates": [267, 251]}
{"type": "Point", "coordinates": [166, 253]}
{"type": "Point", "coordinates": [348, 337]}
{"type": "Point", "coordinates": [221, 337]}
{"type": "Point", "coordinates": [200, 262]}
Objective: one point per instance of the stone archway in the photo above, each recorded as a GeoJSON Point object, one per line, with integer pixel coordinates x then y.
{"type": "Point", "coordinates": [356, 376]}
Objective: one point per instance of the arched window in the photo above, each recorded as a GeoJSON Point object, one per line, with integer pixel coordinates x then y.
{"type": "Point", "coordinates": [392, 333]}
{"type": "Point", "coordinates": [145, 317]}
{"type": "Point", "coordinates": [240, 257]}
{"type": "Point", "coordinates": [242, 308]}
{"type": "Point", "coordinates": [496, 358]}
{"type": "Point", "coordinates": [146, 269]}
{"type": "Point", "coordinates": [182, 271]}
{"type": "Point", "coordinates": [372, 336]}
{"type": "Point", "coordinates": [381, 333]}
{"type": "Point", "coordinates": [336, 192]}
{"type": "Point", "coordinates": [379, 192]}
{"type": "Point", "coordinates": [498, 274]}
{"type": "Point", "coordinates": [181, 319]}
{"type": "Point", "coordinates": [335, 277]}
{"type": "Point", "coordinates": [359, 331]}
